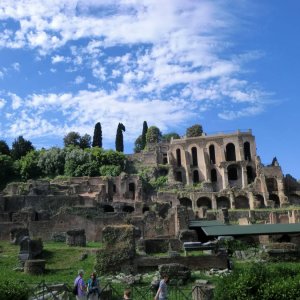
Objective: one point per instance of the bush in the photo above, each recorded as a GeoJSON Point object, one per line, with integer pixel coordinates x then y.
{"type": "Point", "coordinates": [11, 290]}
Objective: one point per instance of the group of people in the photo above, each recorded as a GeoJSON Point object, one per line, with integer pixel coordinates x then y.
{"type": "Point", "coordinates": [91, 290]}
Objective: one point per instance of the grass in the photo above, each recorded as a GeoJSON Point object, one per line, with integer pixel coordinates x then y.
{"type": "Point", "coordinates": [62, 262]}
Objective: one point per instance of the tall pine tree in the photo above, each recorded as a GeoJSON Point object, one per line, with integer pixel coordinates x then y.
{"type": "Point", "coordinates": [145, 128]}
{"type": "Point", "coordinates": [119, 138]}
{"type": "Point", "coordinates": [97, 138]}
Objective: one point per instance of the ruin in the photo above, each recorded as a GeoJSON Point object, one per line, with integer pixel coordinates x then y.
{"type": "Point", "coordinates": [203, 173]}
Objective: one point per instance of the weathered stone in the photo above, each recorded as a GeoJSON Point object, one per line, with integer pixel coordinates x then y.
{"type": "Point", "coordinates": [188, 236]}
{"type": "Point", "coordinates": [175, 271]}
{"type": "Point", "coordinates": [35, 267]}
{"type": "Point", "coordinates": [59, 237]}
{"type": "Point", "coordinates": [76, 237]}
{"type": "Point", "coordinates": [17, 234]}
{"type": "Point", "coordinates": [29, 249]}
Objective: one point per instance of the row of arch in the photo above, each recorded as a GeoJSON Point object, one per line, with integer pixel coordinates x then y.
{"type": "Point", "coordinates": [230, 154]}
{"type": "Point", "coordinates": [241, 202]}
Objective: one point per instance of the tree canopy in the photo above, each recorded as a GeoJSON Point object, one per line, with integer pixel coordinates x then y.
{"type": "Point", "coordinates": [195, 130]}
{"type": "Point", "coordinates": [119, 138]}
{"type": "Point", "coordinates": [97, 137]}
{"type": "Point", "coordinates": [4, 149]}
{"type": "Point", "coordinates": [167, 137]}
{"type": "Point", "coordinates": [153, 135]}
{"type": "Point", "coordinates": [20, 147]}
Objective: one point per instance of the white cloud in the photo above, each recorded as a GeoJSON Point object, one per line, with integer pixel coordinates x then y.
{"type": "Point", "coordinates": [79, 79]}
{"type": "Point", "coordinates": [16, 66]}
{"type": "Point", "coordinates": [57, 59]}
{"type": "Point", "coordinates": [16, 101]}
{"type": "Point", "coordinates": [2, 103]}
{"type": "Point", "coordinates": [1, 74]}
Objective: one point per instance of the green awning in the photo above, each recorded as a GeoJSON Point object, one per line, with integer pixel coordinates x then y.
{"type": "Point", "coordinates": [255, 229]}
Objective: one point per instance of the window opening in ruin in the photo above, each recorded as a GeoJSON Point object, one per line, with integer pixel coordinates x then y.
{"type": "Point", "coordinates": [36, 216]}
{"type": "Point", "coordinates": [179, 176]}
{"type": "Point", "coordinates": [212, 155]}
{"type": "Point", "coordinates": [242, 202]}
{"type": "Point", "coordinates": [108, 208]}
{"type": "Point", "coordinates": [213, 175]}
{"type": "Point", "coordinates": [232, 173]}
{"type": "Point", "coordinates": [128, 209]}
{"type": "Point", "coordinates": [250, 174]}
{"type": "Point", "coordinates": [196, 176]}
{"type": "Point", "coordinates": [114, 188]}
{"type": "Point", "coordinates": [165, 158]}
{"type": "Point", "coordinates": [230, 152]}
{"type": "Point", "coordinates": [261, 200]}
{"type": "Point", "coordinates": [178, 157]}
{"type": "Point", "coordinates": [276, 200]}
{"type": "Point", "coordinates": [223, 202]}
{"type": "Point", "coordinates": [271, 185]}
{"type": "Point", "coordinates": [145, 208]}
{"type": "Point", "coordinates": [186, 202]}
{"type": "Point", "coordinates": [204, 202]}
{"type": "Point", "coordinates": [247, 152]}
{"type": "Point", "coordinates": [131, 189]}
{"type": "Point", "coordinates": [194, 157]}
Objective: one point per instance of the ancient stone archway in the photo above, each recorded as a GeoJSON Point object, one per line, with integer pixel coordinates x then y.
{"type": "Point", "coordinates": [128, 209]}
{"type": "Point", "coordinates": [260, 199]}
{"type": "Point", "coordinates": [131, 189]}
{"type": "Point", "coordinates": [242, 202]}
{"type": "Point", "coordinates": [108, 208]}
{"type": "Point", "coordinates": [178, 176]}
{"type": "Point", "coordinates": [194, 157]}
{"type": "Point", "coordinates": [250, 174]}
{"type": "Point", "coordinates": [223, 202]}
{"type": "Point", "coordinates": [178, 157]}
{"type": "Point", "coordinates": [213, 175]}
{"type": "Point", "coordinates": [145, 209]}
{"type": "Point", "coordinates": [247, 152]}
{"type": "Point", "coordinates": [271, 185]}
{"type": "Point", "coordinates": [186, 202]}
{"type": "Point", "coordinates": [276, 200]}
{"type": "Point", "coordinates": [196, 176]}
{"type": "Point", "coordinates": [204, 202]}
{"type": "Point", "coordinates": [212, 155]}
{"type": "Point", "coordinates": [230, 152]}
{"type": "Point", "coordinates": [232, 172]}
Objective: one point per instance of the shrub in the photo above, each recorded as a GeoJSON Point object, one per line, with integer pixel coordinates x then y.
{"type": "Point", "coordinates": [11, 290]}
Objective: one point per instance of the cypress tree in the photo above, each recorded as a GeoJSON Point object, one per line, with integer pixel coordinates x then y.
{"type": "Point", "coordinates": [119, 138]}
{"type": "Point", "coordinates": [145, 129]}
{"type": "Point", "coordinates": [97, 138]}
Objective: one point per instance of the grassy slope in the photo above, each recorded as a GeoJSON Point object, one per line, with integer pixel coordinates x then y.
{"type": "Point", "coordinates": [62, 262]}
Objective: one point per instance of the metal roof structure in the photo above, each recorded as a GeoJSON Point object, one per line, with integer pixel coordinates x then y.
{"type": "Point", "coordinates": [217, 229]}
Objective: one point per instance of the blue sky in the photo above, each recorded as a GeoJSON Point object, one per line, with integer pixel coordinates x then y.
{"type": "Point", "coordinates": [66, 64]}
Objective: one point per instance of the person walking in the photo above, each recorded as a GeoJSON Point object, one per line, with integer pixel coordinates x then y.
{"type": "Point", "coordinates": [79, 283]}
{"type": "Point", "coordinates": [93, 287]}
{"type": "Point", "coordinates": [162, 292]}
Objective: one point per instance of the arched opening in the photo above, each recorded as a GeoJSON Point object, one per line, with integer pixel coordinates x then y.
{"type": "Point", "coordinates": [178, 157]}
{"type": "Point", "coordinates": [250, 174]}
{"type": "Point", "coordinates": [178, 176]}
{"type": "Point", "coordinates": [271, 185]}
{"type": "Point", "coordinates": [247, 152]}
{"type": "Point", "coordinates": [230, 152]}
{"type": "Point", "coordinates": [131, 189]}
{"type": "Point", "coordinates": [165, 158]}
{"type": "Point", "coordinates": [204, 202]}
{"type": "Point", "coordinates": [128, 209]}
{"type": "Point", "coordinates": [223, 202]}
{"type": "Point", "coordinates": [196, 176]}
{"type": "Point", "coordinates": [213, 175]}
{"type": "Point", "coordinates": [275, 199]}
{"type": "Point", "coordinates": [108, 208]}
{"type": "Point", "coordinates": [232, 173]}
{"type": "Point", "coordinates": [186, 202]}
{"type": "Point", "coordinates": [194, 157]}
{"type": "Point", "coordinates": [114, 188]}
{"type": "Point", "coordinates": [242, 202]}
{"type": "Point", "coordinates": [260, 201]}
{"type": "Point", "coordinates": [145, 208]}
{"type": "Point", "coordinates": [212, 155]}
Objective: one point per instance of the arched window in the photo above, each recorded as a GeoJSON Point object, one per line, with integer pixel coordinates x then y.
{"type": "Point", "coordinates": [276, 200]}
{"type": "Point", "coordinates": [223, 202]}
{"type": "Point", "coordinates": [204, 202]}
{"type": "Point", "coordinates": [196, 176]}
{"type": "Point", "coordinates": [247, 152]}
{"type": "Point", "coordinates": [241, 202]}
{"type": "Point", "coordinates": [128, 209]}
{"type": "Point", "coordinates": [232, 173]}
{"type": "Point", "coordinates": [250, 174]}
{"type": "Point", "coordinates": [178, 176]}
{"type": "Point", "coordinates": [194, 157]}
{"type": "Point", "coordinates": [213, 175]}
{"type": "Point", "coordinates": [131, 189]}
{"type": "Point", "coordinates": [230, 152]}
{"type": "Point", "coordinates": [178, 157]}
{"type": "Point", "coordinates": [185, 202]}
{"type": "Point", "coordinates": [212, 155]}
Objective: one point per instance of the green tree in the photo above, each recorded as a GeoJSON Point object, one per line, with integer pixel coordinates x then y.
{"type": "Point", "coordinates": [138, 145]}
{"type": "Point", "coordinates": [85, 141]}
{"type": "Point", "coordinates": [72, 138]}
{"type": "Point", "coordinates": [52, 161]}
{"type": "Point", "coordinates": [167, 137]}
{"type": "Point", "coordinates": [195, 130]}
{"type": "Point", "coordinates": [20, 147]}
{"type": "Point", "coordinates": [153, 135]}
{"type": "Point", "coordinates": [119, 138]}
{"type": "Point", "coordinates": [97, 138]}
{"type": "Point", "coordinates": [144, 133]}
{"type": "Point", "coordinates": [4, 149]}
{"type": "Point", "coordinates": [6, 169]}
{"type": "Point", "coordinates": [28, 165]}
